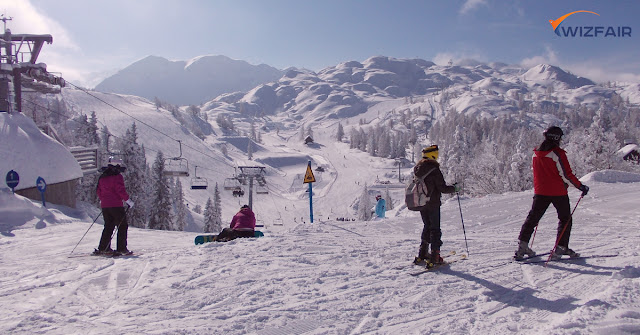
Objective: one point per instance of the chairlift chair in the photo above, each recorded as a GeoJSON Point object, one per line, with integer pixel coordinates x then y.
{"type": "Point", "coordinates": [261, 189]}
{"type": "Point", "coordinates": [198, 183]}
{"type": "Point", "coordinates": [176, 166]}
{"type": "Point", "coordinates": [231, 184]}
{"type": "Point", "coordinates": [238, 192]}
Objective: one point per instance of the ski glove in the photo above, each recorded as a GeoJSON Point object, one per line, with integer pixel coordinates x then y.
{"type": "Point", "coordinates": [130, 203]}
{"type": "Point", "coordinates": [584, 188]}
{"type": "Point", "coordinates": [456, 187]}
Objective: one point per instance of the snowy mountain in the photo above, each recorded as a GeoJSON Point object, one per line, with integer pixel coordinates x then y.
{"type": "Point", "coordinates": [187, 82]}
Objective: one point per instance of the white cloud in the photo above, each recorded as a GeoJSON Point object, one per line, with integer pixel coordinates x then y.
{"type": "Point", "coordinates": [549, 57]}
{"type": "Point", "coordinates": [26, 19]}
{"type": "Point", "coordinates": [443, 58]}
{"type": "Point", "coordinates": [470, 5]}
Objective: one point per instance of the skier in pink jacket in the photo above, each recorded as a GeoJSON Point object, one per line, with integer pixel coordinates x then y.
{"type": "Point", "coordinates": [243, 224]}
{"type": "Point", "coordinates": [112, 193]}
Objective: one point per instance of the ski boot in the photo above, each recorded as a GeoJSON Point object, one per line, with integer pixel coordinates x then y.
{"type": "Point", "coordinates": [124, 252]}
{"type": "Point", "coordinates": [523, 249]}
{"type": "Point", "coordinates": [435, 259]}
{"type": "Point", "coordinates": [560, 250]}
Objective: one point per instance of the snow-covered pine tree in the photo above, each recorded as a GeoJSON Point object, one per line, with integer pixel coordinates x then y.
{"type": "Point", "coordinates": [135, 177]}
{"type": "Point", "coordinates": [365, 205]}
{"type": "Point", "coordinates": [160, 213]}
{"type": "Point", "coordinates": [197, 209]}
{"type": "Point", "coordinates": [209, 213]}
{"type": "Point", "coordinates": [340, 132]}
{"type": "Point", "coordinates": [180, 208]}
{"type": "Point", "coordinates": [389, 200]}
{"type": "Point", "coordinates": [216, 224]}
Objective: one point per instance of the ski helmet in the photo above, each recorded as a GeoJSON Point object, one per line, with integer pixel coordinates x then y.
{"type": "Point", "coordinates": [430, 152]}
{"type": "Point", "coordinates": [553, 134]}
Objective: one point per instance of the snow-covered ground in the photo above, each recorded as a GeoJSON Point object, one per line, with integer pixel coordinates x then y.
{"type": "Point", "coordinates": [328, 277]}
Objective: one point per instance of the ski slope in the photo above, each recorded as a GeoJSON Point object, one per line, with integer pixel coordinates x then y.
{"type": "Point", "coordinates": [328, 277]}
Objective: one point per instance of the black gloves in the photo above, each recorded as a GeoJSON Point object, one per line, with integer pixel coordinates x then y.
{"type": "Point", "coordinates": [584, 188]}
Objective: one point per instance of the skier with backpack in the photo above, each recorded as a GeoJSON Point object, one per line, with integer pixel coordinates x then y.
{"type": "Point", "coordinates": [551, 178]}
{"type": "Point", "coordinates": [424, 195]}
{"type": "Point", "coordinates": [112, 193]}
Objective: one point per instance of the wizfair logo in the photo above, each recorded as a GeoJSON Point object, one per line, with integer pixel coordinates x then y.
{"type": "Point", "coordinates": [587, 31]}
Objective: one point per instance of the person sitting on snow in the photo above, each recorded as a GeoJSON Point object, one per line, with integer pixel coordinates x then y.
{"type": "Point", "coordinates": [243, 224]}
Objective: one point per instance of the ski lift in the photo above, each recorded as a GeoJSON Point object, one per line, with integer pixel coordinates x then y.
{"type": "Point", "coordinates": [176, 166]}
{"type": "Point", "coordinates": [198, 183]}
{"type": "Point", "coordinates": [261, 189]}
{"type": "Point", "coordinates": [278, 222]}
{"type": "Point", "coordinates": [238, 192]}
{"type": "Point", "coordinates": [231, 184]}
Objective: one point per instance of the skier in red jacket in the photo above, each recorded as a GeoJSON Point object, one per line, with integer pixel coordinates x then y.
{"type": "Point", "coordinates": [112, 193]}
{"type": "Point", "coordinates": [551, 178]}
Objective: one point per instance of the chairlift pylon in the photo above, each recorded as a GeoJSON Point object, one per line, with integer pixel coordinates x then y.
{"type": "Point", "coordinates": [198, 183]}
{"type": "Point", "coordinates": [176, 166]}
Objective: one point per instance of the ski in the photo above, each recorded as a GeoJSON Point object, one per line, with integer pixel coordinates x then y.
{"type": "Point", "coordinates": [566, 259]}
{"type": "Point", "coordinates": [434, 267]}
{"type": "Point", "coordinates": [530, 258]}
{"type": "Point", "coordinates": [130, 254]}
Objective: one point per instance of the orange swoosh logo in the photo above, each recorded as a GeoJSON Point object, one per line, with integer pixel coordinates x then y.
{"type": "Point", "coordinates": [556, 23]}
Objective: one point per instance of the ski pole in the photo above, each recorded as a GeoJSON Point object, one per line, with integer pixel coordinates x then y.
{"type": "Point", "coordinates": [563, 230]}
{"type": "Point", "coordinates": [85, 233]}
{"type": "Point", "coordinates": [461, 219]}
{"type": "Point", "coordinates": [534, 237]}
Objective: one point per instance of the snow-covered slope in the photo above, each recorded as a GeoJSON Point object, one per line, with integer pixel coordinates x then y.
{"type": "Point", "coordinates": [329, 277]}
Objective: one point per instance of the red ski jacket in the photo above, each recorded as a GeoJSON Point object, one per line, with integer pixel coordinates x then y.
{"type": "Point", "coordinates": [552, 173]}
{"type": "Point", "coordinates": [244, 220]}
{"type": "Point", "coordinates": [111, 191]}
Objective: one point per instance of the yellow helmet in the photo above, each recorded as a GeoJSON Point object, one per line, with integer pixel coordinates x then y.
{"type": "Point", "coordinates": [430, 152]}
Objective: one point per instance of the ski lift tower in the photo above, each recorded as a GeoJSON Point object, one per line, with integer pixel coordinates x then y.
{"type": "Point", "coordinates": [251, 173]}
{"type": "Point", "coordinates": [18, 68]}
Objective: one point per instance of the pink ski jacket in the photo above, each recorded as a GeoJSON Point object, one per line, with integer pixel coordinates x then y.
{"type": "Point", "coordinates": [244, 220]}
{"type": "Point", "coordinates": [111, 191]}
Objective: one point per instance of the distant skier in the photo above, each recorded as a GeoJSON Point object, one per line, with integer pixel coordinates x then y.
{"type": "Point", "coordinates": [381, 206]}
{"type": "Point", "coordinates": [243, 224]}
{"type": "Point", "coordinates": [551, 178]}
{"type": "Point", "coordinates": [112, 193]}
{"type": "Point", "coordinates": [431, 233]}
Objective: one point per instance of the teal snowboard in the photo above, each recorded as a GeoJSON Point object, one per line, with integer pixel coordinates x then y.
{"type": "Point", "coordinates": [201, 239]}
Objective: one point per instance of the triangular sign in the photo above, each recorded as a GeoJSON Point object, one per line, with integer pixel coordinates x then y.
{"type": "Point", "coordinates": [308, 177]}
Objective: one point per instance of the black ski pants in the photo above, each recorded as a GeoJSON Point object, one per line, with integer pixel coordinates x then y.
{"type": "Point", "coordinates": [539, 207]}
{"type": "Point", "coordinates": [114, 217]}
{"type": "Point", "coordinates": [431, 233]}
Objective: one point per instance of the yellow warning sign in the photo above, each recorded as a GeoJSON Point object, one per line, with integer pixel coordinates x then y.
{"type": "Point", "coordinates": [308, 177]}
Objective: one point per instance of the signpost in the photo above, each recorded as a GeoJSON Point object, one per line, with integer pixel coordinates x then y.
{"type": "Point", "coordinates": [310, 179]}
{"type": "Point", "coordinates": [13, 179]}
{"type": "Point", "coordinates": [42, 186]}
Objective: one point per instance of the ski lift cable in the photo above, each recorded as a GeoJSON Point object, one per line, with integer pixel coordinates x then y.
{"type": "Point", "coordinates": [99, 130]}
{"type": "Point", "coordinates": [144, 123]}
{"type": "Point", "coordinates": [116, 108]}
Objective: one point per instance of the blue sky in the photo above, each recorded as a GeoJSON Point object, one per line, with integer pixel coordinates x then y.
{"type": "Point", "coordinates": [96, 36]}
